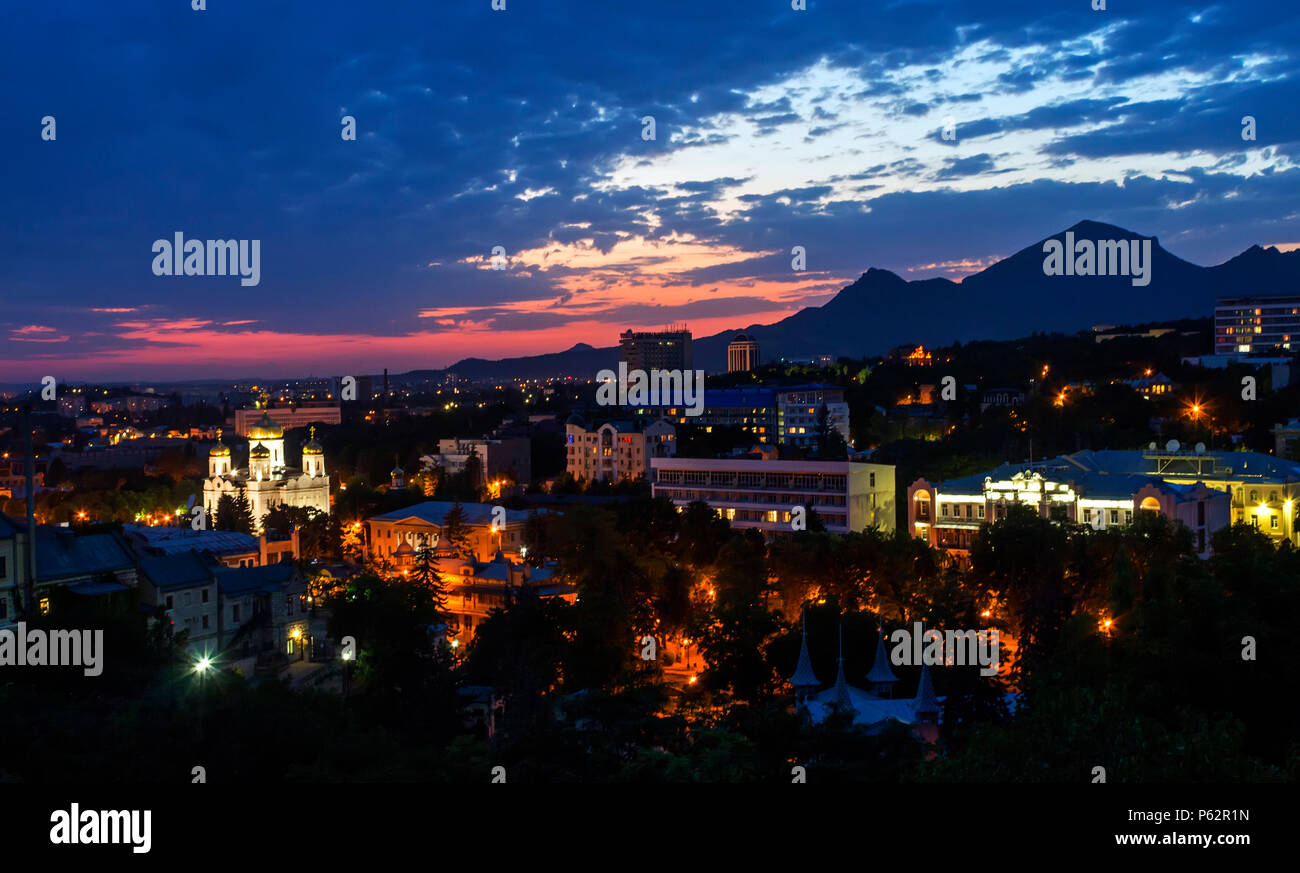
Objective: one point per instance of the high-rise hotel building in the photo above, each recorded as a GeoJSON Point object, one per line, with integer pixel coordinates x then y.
{"type": "Point", "coordinates": [742, 354]}
{"type": "Point", "coordinates": [656, 350]}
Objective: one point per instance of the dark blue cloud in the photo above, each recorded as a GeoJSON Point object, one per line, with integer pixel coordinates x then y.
{"type": "Point", "coordinates": [225, 124]}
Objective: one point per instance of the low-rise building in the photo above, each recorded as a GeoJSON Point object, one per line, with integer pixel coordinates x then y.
{"type": "Point", "coordinates": [229, 548]}
{"type": "Point", "coordinates": [1286, 439]}
{"type": "Point", "coordinates": [508, 459]}
{"type": "Point", "coordinates": [762, 494]}
{"type": "Point", "coordinates": [1101, 489]}
{"type": "Point", "coordinates": [287, 417]}
{"type": "Point", "coordinates": [490, 529]}
{"type": "Point", "coordinates": [92, 563]}
{"type": "Point", "coordinates": [475, 588]}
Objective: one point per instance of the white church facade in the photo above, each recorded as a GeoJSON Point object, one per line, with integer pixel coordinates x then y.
{"type": "Point", "coordinates": [267, 481]}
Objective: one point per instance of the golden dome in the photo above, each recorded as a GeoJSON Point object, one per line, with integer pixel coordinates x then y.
{"type": "Point", "coordinates": [259, 452]}
{"type": "Point", "coordinates": [313, 447]}
{"type": "Point", "coordinates": [266, 429]}
{"type": "Point", "coordinates": [220, 450]}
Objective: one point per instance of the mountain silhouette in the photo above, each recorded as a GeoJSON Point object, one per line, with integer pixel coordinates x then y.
{"type": "Point", "coordinates": [1011, 298]}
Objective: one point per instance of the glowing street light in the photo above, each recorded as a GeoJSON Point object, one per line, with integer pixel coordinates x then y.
{"type": "Point", "coordinates": [203, 665]}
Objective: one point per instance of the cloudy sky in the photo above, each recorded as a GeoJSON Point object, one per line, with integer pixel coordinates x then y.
{"type": "Point", "coordinates": [524, 129]}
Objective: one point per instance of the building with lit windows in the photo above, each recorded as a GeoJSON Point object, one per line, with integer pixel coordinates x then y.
{"type": "Point", "coordinates": [268, 481]}
{"type": "Point", "coordinates": [1100, 489]}
{"type": "Point", "coordinates": [300, 414]}
{"type": "Point", "coordinates": [475, 587]}
{"type": "Point", "coordinates": [656, 350]}
{"type": "Point", "coordinates": [88, 564]}
{"type": "Point", "coordinates": [1256, 325]}
{"type": "Point", "coordinates": [798, 410]}
{"type": "Point", "coordinates": [416, 526]}
{"type": "Point", "coordinates": [742, 354]}
{"type": "Point", "coordinates": [762, 494]}
{"type": "Point", "coordinates": [616, 450]}
{"type": "Point", "coordinates": [499, 459]}
{"type": "Point", "coordinates": [786, 416]}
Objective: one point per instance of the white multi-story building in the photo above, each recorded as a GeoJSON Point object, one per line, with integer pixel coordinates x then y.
{"type": "Point", "coordinates": [616, 450]}
{"type": "Point", "coordinates": [762, 494]}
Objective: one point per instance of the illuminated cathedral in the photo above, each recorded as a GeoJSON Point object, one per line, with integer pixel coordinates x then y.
{"type": "Point", "coordinates": [267, 482]}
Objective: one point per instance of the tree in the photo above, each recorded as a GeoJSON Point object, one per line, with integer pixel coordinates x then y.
{"type": "Point", "coordinates": [244, 520]}
{"type": "Point", "coordinates": [233, 514]}
{"type": "Point", "coordinates": [426, 573]}
{"type": "Point", "coordinates": [455, 530]}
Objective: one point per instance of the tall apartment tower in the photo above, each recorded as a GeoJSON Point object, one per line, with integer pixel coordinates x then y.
{"type": "Point", "coordinates": [668, 349]}
{"type": "Point", "coordinates": [742, 354]}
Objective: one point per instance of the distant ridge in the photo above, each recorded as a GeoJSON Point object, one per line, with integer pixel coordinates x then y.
{"type": "Point", "coordinates": [882, 310]}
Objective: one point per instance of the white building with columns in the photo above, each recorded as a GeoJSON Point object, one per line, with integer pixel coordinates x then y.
{"type": "Point", "coordinates": [268, 481]}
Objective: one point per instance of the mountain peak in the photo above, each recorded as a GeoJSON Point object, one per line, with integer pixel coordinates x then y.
{"type": "Point", "coordinates": [1100, 230]}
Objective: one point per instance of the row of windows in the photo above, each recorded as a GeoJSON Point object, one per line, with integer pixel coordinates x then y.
{"type": "Point", "coordinates": [817, 500]}
{"type": "Point", "coordinates": [748, 479]}
{"type": "Point", "coordinates": [188, 599]}
{"type": "Point", "coordinates": [949, 510]}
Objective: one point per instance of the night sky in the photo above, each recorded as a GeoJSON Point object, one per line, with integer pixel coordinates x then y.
{"type": "Point", "coordinates": [523, 129]}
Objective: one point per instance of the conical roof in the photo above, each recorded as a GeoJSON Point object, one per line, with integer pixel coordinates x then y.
{"type": "Point", "coordinates": [880, 672]}
{"type": "Point", "coordinates": [259, 451]}
{"type": "Point", "coordinates": [804, 677]}
{"type": "Point", "coordinates": [926, 701]}
{"type": "Point", "coordinates": [842, 698]}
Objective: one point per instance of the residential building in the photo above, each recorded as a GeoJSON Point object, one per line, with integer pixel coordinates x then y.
{"type": "Point", "coordinates": [753, 410]}
{"type": "Point", "coordinates": [1150, 384]}
{"type": "Point", "coordinates": [13, 477]}
{"type": "Point", "coordinates": [508, 459]}
{"type": "Point", "coordinates": [475, 588]}
{"type": "Point", "coordinates": [90, 564]}
{"type": "Point", "coordinates": [798, 412]}
{"type": "Point", "coordinates": [742, 354]}
{"type": "Point", "coordinates": [762, 494]}
{"type": "Point", "coordinates": [616, 450]}
{"type": "Point", "coordinates": [489, 530]}
{"type": "Point", "coordinates": [656, 350]}
{"type": "Point", "coordinates": [267, 619]}
{"type": "Point", "coordinates": [227, 547]}
{"type": "Point", "coordinates": [185, 585]}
